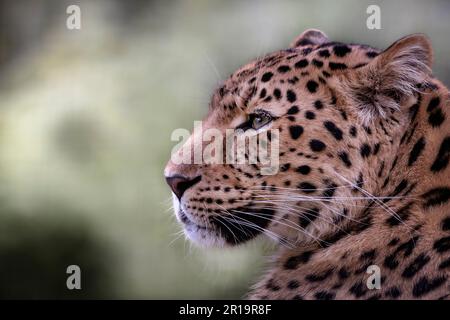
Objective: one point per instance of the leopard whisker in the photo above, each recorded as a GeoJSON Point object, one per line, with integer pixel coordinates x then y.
{"type": "Point", "coordinates": [177, 235]}
{"type": "Point", "coordinates": [328, 207]}
{"type": "Point", "coordinates": [343, 197]}
{"type": "Point", "coordinates": [232, 233]}
{"type": "Point", "coordinates": [330, 188]}
{"type": "Point", "coordinates": [229, 213]}
{"type": "Point", "coordinates": [235, 238]}
{"type": "Point", "coordinates": [295, 197]}
{"type": "Point", "coordinates": [275, 221]}
{"type": "Point", "coordinates": [380, 203]}
{"type": "Point", "coordinates": [296, 189]}
{"type": "Point", "coordinates": [253, 226]}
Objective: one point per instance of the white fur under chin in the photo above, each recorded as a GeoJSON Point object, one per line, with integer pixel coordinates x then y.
{"type": "Point", "coordinates": [176, 207]}
{"type": "Point", "coordinates": [201, 237]}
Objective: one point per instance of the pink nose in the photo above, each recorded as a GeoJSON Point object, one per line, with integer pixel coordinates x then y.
{"type": "Point", "coordinates": [179, 184]}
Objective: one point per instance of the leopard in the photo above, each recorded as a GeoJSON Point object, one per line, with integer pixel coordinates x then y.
{"type": "Point", "coordinates": [359, 207]}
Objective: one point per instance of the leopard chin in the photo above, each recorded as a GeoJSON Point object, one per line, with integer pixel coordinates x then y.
{"type": "Point", "coordinates": [203, 236]}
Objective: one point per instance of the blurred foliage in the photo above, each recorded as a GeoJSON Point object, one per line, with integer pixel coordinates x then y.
{"type": "Point", "coordinates": [35, 252]}
{"type": "Point", "coordinates": [85, 124]}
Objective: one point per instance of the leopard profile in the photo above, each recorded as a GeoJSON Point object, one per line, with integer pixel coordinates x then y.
{"type": "Point", "coordinates": [363, 179]}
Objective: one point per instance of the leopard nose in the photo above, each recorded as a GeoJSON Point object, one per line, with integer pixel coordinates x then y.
{"type": "Point", "coordinates": [179, 184]}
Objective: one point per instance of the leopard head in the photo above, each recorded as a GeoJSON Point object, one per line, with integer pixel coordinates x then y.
{"type": "Point", "coordinates": [335, 113]}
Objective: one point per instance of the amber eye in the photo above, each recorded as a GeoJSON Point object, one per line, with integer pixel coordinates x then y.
{"type": "Point", "coordinates": [256, 120]}
{"type": "Point", "coordinates": [259, 120]}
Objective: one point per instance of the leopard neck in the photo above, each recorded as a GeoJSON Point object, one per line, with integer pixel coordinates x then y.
{"type": "Point", "coordinates": [412, 176]}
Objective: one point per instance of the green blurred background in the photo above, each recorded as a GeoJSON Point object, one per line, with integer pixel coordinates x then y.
{"type": "Point", "coordinates": [85, 123]}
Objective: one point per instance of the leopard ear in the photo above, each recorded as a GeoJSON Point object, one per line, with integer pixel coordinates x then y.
{"type": "Point", "coordinates": [310, 36]}
{"type": "Point", "coordinates": [396, 73]}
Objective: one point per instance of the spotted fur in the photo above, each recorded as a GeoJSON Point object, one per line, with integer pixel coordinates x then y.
{"type": "Point", "coordinates": [364, 173]}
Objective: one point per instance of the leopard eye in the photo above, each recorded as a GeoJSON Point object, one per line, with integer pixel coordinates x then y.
{"type": "Point", "coordinates": [256, 120]}
{"type": "Point", "coordinates": [259, 120]}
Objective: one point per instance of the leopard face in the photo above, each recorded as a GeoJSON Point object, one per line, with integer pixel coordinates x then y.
{"type": "Point", "coordinates": [338, 112]}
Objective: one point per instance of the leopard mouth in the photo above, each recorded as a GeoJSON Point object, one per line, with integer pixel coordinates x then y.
{"type": "Point", "coordinates": [204, 236]}
{"type": "Point", "coordinates": [189, 223]}
{"type": "Point", "coordinates": [243, 225]}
